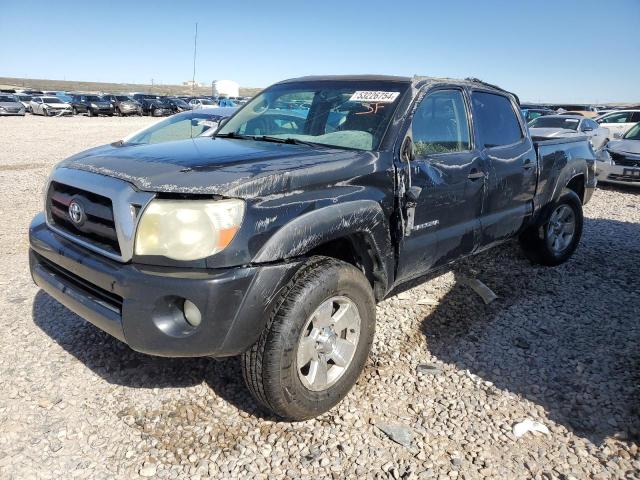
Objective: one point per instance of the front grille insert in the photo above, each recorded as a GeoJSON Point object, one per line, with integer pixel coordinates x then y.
{"type": "Point", "coordinates": [99, 295]}
{"type": "Point", "coordinates": [98, 227]}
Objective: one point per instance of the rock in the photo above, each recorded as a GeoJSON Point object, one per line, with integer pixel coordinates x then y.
{"type": "Point", "coordinates": [398, 433]}
{"type": "Point", "coordinates": [148, 470]}
{"type": "Point", "coordinates": [428, 369]}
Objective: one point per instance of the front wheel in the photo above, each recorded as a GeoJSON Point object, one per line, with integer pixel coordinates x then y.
{"type": "Point", "coordinates": [555, 240]}
{"type": "Point", "coordinates": [316, 341]}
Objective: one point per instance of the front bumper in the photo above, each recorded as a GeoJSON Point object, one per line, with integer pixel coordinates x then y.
{"type": "Point", "coordinates": [6, 113]}
{"type": "Point", "coordinates": [141, 305]}
{"type": "Point", "coordinates": [607, 172]}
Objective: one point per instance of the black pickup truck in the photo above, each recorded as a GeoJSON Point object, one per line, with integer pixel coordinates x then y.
{"type": "Point", "coordinates": [275, 238]}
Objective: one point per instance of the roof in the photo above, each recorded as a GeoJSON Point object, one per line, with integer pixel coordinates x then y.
{"type": "Point", "coordinates": [416, 80]}
{"type": "Point", "coordinates": [576, 117]}
{"type": "Point", "coordinates": [328, 78]}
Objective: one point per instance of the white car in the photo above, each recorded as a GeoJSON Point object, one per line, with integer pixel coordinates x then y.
{"type": "Point", "coordinates": [50, 106]}
{"type": "Point", "coordinates": [558, 126]}
{"type": "Point", "coordinates": [202, 103]}
{"type": "Point", "coordinates": [619, 121]}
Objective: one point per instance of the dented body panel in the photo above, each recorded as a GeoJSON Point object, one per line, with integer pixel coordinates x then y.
{"type": "Point", "coordinates": [399, 218]}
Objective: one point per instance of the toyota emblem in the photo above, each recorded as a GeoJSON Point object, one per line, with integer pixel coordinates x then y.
{"type": "Point", "coordinates": [76, 213]}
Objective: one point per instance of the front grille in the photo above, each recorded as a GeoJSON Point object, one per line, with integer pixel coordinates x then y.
{"type": "Point", "coordinates": [624, 161]}
{"type": "Point", "coordinates": [98, 227]}
{"type": "Point", "coordinates": [105, 298]}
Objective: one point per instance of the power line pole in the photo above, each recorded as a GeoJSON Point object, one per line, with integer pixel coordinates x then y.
{"type": "Point", "coordinates": [195, 49]}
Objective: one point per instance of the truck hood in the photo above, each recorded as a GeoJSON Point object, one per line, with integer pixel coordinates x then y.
{"type": "Point", "coordinates": [551, 132]}
{"type": "Point", "coordinates": [227, 167]}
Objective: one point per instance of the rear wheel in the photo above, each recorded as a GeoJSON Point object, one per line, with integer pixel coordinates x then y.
{"type": "Point", "coordinates": [316, 342]}
{"type": "Point", "coordinates": [554, 241]}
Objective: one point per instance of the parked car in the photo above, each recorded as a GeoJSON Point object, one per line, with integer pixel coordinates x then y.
{"type": "Point", "coordinates": [620, 121]}
{"type": "Point", "coordinates": [181, 126]}
{"type": "Point", "coordinates": [177, 104]}
{"type": "Point", "coordinates": [152, 105]}
{"type": "Point", "coordinates": [558, 126]}
{"type": "Point", "coordinates": [277, 246]}
{"type": "Point", "coordinates": [91, 104]}
{"type": "Point", "coordinates": [50, 106]}
{"type": "Point", "coordinates": [25, 100]}
{"type": "Point", "coordinates": [588, 111]}
{"type": "Point", "coordinates": [202, 103]}
{"type": "Point", "coordinates": [622, 164]}
{"type": "Point", "coordinates": [124, 105]}
{"type": "Point", "coordinates": [531, 113]}
{"type": "Point", "coordinates": [10, 105]}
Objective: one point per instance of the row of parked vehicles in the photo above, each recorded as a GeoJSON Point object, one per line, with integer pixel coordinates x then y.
{"type": "Point", "coordinates": [55, 103]}
{"type": "Point", "coordinates": [614, 134]}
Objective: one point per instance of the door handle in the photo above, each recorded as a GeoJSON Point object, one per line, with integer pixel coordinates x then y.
{"type": "Point", "coordinates": [475, 174]}
{"type": "Point", "coordinates": [528, 165]}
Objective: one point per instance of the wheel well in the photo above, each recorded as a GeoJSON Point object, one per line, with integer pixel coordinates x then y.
{"type": "Point", "coordinates": [358, 251]}
{"type": "Point", "coordinates": [577, 185]}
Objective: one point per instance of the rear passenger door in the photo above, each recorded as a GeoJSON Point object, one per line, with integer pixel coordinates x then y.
{"type": "Point", "coordinates": [511, 161]}
{"type": "Point", "coordinates": [450, 173]}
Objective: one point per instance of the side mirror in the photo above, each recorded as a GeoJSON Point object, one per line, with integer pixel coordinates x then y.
{"type": "Point", "coordinates": [222, 122]}
{"type": "Point", "coordinates": [407, 152]}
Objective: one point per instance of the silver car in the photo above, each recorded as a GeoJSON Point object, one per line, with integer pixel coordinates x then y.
{"type": "Point", "coordinates": [50, 106]}
{"type": "Point", "coordinates": [558, 126]}
{"type": "Point", "coordinates": [25, 100]}
{"type": "Point", "coordinates": [10, 105]}
{"type": "Point", "coordinates": [620, 162]}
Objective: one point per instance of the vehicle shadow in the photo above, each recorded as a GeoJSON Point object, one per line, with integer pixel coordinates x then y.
{"type": "Point", "coordinates": [565, 338]}
{"type": "Point", "coordinates": [118, 364]}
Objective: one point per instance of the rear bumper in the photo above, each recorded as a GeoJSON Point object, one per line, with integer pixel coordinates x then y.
{"type": "Point", "coordinates": [619, 174]}
{"type": "Point", "coordinates": [12, 114]}
{"type": "Point", "coordinates": [142, 306]}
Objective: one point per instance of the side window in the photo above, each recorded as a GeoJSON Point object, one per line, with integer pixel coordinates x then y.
{"type": "Point", "coordinates": [635, 118]}
{"type": "Point", "coordinates": [622, 117]}
{"type": "Point", "coordinates": [495, 119]}
{"type": "Point", "coordinates": [440, 124]}
{"type": "Point", "coordinates": [593, 125]}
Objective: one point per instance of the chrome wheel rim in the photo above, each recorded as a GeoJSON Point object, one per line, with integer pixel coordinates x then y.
{"type": "Point", "coordinates": [561, 228]}
{"type": "Point", "coordinates": [328, 343]}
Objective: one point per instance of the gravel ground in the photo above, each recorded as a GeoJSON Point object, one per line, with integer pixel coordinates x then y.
{"type": "Point", "coordinates": [559, 346]}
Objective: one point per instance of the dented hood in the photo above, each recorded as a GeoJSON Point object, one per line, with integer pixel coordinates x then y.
{"type": "Point", "coordinates": [219, 166]}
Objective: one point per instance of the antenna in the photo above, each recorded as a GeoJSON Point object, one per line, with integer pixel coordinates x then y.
{"type": "Point", "coordinates": [195, 49]}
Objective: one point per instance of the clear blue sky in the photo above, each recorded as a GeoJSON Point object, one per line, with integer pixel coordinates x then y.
{"type": "Point", "coordinates": [560, 50]}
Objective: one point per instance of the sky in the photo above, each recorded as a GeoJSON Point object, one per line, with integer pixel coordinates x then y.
{"type": "Point", "coordinates": [548, 51]}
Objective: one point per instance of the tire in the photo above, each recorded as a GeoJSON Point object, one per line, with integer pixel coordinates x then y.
{"type": "Point", "coordinates": [90, 113]}
{"type": "Point", "coordinates": [45, 112]}
{"type": "Point", "coordinates": [274, 368]}
{"type": "Point", "coordinates": [74, 111]}
{"type": "Point", "coordinates": [118, 112]}
{"type": "Point", "coordinates": [551, 243]}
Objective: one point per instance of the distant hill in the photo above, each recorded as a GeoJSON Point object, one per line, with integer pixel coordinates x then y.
{"type": "Point", "coordinates": [70, 86]}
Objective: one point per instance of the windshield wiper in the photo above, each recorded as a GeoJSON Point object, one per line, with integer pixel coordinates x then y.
{"type": "Point", "coordinates": [289, 140]}
{"type": "Point", "coordinates": [235, 135]}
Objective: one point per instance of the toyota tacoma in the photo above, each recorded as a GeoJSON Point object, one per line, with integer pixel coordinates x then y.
{"type": "Point", "coordinates": [275, 238]}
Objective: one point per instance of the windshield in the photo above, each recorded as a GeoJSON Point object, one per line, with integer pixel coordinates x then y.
{"type": "Point", "coordinates": [8, 98]}
{"type": "Point", "coordinates": [341, 113]}
{"type": "Point", "coordinates": [555, 122]}
{"type": "Point", "coordinates": [24, 98]}
{"type": "Point", "coordinates": [92, 98]}
{"type": "Point", "coordinates": [122, 98]}
{"type": "Point", "coordinates": [177, 127]}
{"type": "Point", "coordinates": [633, 133]}
{"type": "Point", "coordinates": [51, 100]}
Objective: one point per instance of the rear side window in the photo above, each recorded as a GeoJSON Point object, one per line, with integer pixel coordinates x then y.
{"type": "Point", "coordinates": [440, 124]}
{"type": "Point", "coordinates": [635, 118]}
{"type": "Point", "coordinates": [495, 119]}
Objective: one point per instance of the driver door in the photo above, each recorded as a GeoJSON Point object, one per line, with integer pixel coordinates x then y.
{"type": "Point", "coordinates": [451, 174]}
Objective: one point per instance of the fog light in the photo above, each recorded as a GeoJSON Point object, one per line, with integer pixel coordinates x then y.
{"type": "Point", "coordinates": [191, 313]}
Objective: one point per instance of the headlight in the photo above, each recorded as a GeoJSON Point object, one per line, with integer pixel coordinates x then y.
{"type": "Point", "coordinates": [188, 229]}
{"type": "Point", "coordinates": [93, 105]}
